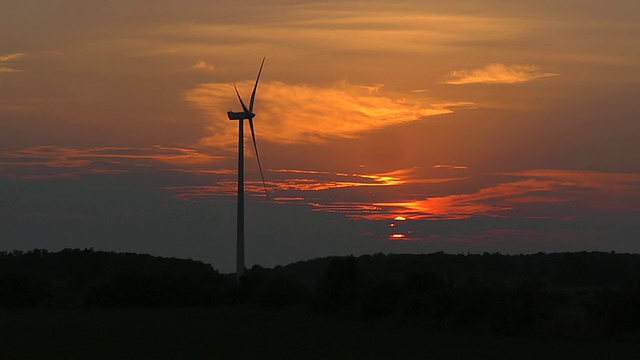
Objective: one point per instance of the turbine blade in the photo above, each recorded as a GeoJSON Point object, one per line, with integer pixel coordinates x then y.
{"type": "Point", "coordinates": [255, 87]}
{"type": "Point", "coordinates": [244, 107]}
{"type": "Point", "coordinates": [255, 147]}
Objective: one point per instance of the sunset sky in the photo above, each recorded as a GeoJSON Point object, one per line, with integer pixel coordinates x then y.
{"type": "Point", "coordinates": [507, 126]}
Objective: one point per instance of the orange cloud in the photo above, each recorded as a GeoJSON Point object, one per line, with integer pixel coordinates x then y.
{"type": "Point", "coordinates": [497, 74]}
{"type": "Point", "coordinates": [202, 65]}
{"type": "Point", "coordinates": [9, 57]}
{"type": "Point", "coordinates": [322, 180]}
{"type": "Point", "coordinates": [597, 191]}
{"type": "Point", "coordinates": [330, 181]}
{"type": "Point", "coordinates": [290, 114]}
{"type": "Point", "coordinates": [585, 179]}
{"type": "Point", "coordinates": [445, 207]}
{"type": "Point", "coordinates": [593, 191]}
{"type": "Point", "coordinates": [345, 207]}
{"type": "Point", "coordinates": [295, 184]}
{"type": "Point", "coordinates": [447, 166]}
{"type": "Point", "coordinates": [296, 171]}
{"type": "Point", "coordinates": [226, 185]}
{"type": "Point", "coordinates": [4, 58]}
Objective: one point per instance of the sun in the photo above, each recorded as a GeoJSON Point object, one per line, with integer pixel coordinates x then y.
{"type": "Point", "coordinates": [400, 218]}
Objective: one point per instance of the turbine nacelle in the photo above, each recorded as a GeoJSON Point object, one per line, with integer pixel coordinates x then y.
{"type": "Point", "coordinates": [242, 115]}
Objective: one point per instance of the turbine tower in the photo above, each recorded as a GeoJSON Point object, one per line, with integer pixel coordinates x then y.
{"type": "Point", "coordinates": [246, 114]}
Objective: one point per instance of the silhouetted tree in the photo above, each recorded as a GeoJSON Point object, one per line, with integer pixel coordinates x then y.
{"type": "Point", "coordinates": [338, 289]}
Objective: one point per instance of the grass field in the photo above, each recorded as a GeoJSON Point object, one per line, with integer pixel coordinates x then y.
{"type": "Point", "coordinates": [246, 333]}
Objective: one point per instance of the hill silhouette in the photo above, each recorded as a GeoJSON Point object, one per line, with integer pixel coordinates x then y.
{"type": "Point", "coordinates": [585, 294]}
{"type": "Point", "coordinates": [74, 277]}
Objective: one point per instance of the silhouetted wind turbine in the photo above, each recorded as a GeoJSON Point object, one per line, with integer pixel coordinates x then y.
{"type": "Point", "coordinates": [246, 114]}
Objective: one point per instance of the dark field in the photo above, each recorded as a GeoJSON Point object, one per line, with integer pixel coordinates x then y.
{"type": "Point", "coordinates": [233, 332]}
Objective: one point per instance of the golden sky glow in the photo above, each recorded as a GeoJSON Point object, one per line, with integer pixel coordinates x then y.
{"type": "Point", "coordinates": [489, 125]}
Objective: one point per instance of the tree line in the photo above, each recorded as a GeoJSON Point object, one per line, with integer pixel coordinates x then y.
{"type": "Point", "coordinates": [563, 294]}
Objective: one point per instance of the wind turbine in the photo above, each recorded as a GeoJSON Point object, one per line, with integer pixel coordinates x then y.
{"type": "Point", "coordinates": [246, 114]}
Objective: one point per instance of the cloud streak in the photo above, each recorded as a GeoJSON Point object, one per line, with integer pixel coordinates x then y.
{"type": "Point", "coordinates": [497, 74]}
{"type": "Point", "coordinates": [559, 194]}
{"type": "Point", "coordinates": [343, 26]}
{"type": "Point", "coordinates": [61, 162]}
{"type": "Point", "coordinates": [310, 187]}
{"type": "Point", "coordinates": [449, 166]}
{"type": "Point", "coordinates": [293, 184]}
{"type": "Point", "coordinates": [7, 58]}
